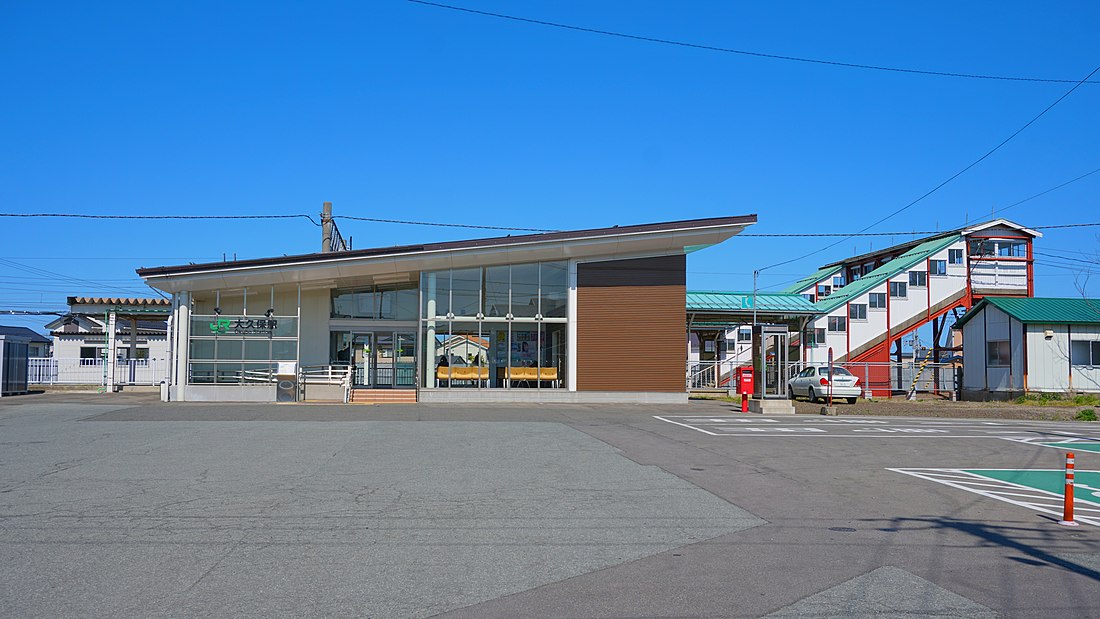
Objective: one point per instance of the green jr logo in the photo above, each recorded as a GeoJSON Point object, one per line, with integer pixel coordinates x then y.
{"type": "Point", "coordinates": [220, 325]}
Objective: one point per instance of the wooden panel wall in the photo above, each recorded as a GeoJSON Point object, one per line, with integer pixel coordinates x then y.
{"type": "Point", "coordinates": [631, 325]}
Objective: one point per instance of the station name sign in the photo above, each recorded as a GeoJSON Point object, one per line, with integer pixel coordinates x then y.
{"type": "Point", "coordinates": [244, 326]}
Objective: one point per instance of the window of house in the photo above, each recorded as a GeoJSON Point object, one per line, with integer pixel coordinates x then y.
{"type": "Point", "coordinates": [823, 291]}
{"type": "Point", "coordinates": [809, 297]}
{"type": "Point", "coordinates": [877, 300]}
{"type": "Point", "coordinates": [997, 353]}
{"type": "Point", "coordinates": [1084, 352]}
{"type": "Point", "coordinates": [857, 311]}
{"type": "Point", "coordinates": [918, 279]}
{"type": "Point", "coordinates": [1001, 248]}
{"type": "Point", "coordinates": [838, 323]}
{"type": "Point", "coordinates": [90, 352]}
{"type": "Point", "coordinates": [857, 273]}
{"type": "Point", "coordinates": [897, 289]}
{"type": "Point", "coordinates": [815, 337]}
{"type": "Point", "coordinates": [838, 281]}
{"type": "Point", "coordinates": [937, 267]}
{"type": "Point", "coordinates": [1013, 249]}
{"type": "Point", "coordinates": [955, 256]}
{"type": "Point", "coordinates": [744, 335]}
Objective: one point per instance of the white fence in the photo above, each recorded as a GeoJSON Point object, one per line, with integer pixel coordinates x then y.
{"type": "Point", "coordinates": [49, 371]}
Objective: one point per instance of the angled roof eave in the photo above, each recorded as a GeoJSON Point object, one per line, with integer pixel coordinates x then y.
{"type": "Point", "coordinates": [1042, 310]}
{"type": "Point", "coordinates": [649, 239]}
{"type": "Point", "coordinates": [906, 246]}
{"type": "Point", "coordinates": [812, 279]}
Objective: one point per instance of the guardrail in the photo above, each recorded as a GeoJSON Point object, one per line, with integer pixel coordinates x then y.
{"type": "Point", "coordinates": [50, 371]}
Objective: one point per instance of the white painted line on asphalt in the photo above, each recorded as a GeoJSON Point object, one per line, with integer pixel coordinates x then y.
{"type": "Point", "coordinates": [1041, 500]}
{"type": "Point", "coordinates": [686, 426]}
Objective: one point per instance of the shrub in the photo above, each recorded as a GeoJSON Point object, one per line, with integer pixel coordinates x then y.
{"type": "Point", "coordinates": [1086, 414]}
{"type": "Point", "coordinates": [1049, 397]}
{"type": "Point", "coordinates": [1086, 399]}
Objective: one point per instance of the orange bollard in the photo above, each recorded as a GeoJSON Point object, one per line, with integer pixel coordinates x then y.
{"type": "Point", "coordinates": [1067, 498]}
{"type": "Point", "coordinates": [744, 402]}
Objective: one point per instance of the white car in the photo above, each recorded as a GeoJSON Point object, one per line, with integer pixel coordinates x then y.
{"type": "Point", "coordinates": [813, 384]}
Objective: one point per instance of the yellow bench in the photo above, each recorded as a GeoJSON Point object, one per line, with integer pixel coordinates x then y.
{"type": "Point", "coordinates": [532, 374]}
{"type": "Point", "coordinates": [451, 373]}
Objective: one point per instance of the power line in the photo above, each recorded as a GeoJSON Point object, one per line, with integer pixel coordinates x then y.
{"type": "Point", "coordinates": [742, 52]}
{"type": "Point", "coordinates": [1093, 225]}
{"type": "Point", "coordinates": [59, 276]}
{"type": "Point", "coordinates": [191, 217]}
{"type": "Point", "coordinates": [1043, 193]}
{"type": "Point", "coordinates": [953, 176]}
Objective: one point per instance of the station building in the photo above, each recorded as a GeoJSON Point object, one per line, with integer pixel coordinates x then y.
{"type": "Point", "coordinates": [576, 316]}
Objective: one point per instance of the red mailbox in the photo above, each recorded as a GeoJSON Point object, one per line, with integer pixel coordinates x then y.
{"type": "Point", "coordinates": [743, 375]}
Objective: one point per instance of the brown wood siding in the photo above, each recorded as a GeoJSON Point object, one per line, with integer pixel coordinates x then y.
{"type": "Point", "coordinates": [631, 325]}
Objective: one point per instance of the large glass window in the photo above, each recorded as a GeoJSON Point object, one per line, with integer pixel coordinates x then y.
{"type": "Point", "coordinates": [240, 349]}
{"type": "Point", "coordinates": [465, 292]}
{"type": "Point", "coordinates": [376, 302]}
{"type": "Point", "coordinates": [498, 285]}
{"type": "Point", "coordinates": [495, 327]}
{"type": "Point", "coordinates": [525, 290]}
{"type": "Point", "coordinates": [554, 277]}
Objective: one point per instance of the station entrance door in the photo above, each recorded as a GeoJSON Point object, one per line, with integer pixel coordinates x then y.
{"type": "Point", "coordinates": [384, 359]}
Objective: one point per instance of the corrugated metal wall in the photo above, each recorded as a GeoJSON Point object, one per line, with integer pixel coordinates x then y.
{"type": "Point", "coordinates": [631, 325]}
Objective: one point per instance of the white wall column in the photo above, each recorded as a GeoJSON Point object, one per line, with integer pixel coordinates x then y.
{"type": "Point", "coordinates": [429, 333]}
{"type": "Point", "coordinates": [571, 328]}
{"type": "Point", "coordinates": [111, 344]}
{"type": "Point", "coordinates": [181, 350]}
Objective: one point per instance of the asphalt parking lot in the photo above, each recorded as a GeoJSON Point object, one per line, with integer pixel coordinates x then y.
{"type": "Point", "coordinates": [122, 506]}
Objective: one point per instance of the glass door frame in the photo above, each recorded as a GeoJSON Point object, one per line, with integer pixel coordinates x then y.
{"type": "Point", "coordinates": [378, 371]}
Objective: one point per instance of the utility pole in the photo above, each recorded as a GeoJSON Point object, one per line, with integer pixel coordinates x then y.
{"type": "Point", "coordinates": [326, 227]}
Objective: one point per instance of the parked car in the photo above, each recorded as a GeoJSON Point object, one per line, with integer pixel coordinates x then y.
{"type": "Point", "coordinates": [813, 384]}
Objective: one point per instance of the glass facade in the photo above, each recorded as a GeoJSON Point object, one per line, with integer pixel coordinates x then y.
{"type": "Point", "coordinates": [376, 302]}
{"type": "Point", "coordinates": [495, 327]}
{"type": "Point", "coordinates": [240, 349]}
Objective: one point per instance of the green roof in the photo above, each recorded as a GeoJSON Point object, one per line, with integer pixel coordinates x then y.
{"type": "Point", "coordinates": [875, 278]}
{"type": "Point", "coordinates": [1073, 311]}
{"type": "Point", "coordinates": [742, 302]}
{"type": "Point", "coordinates": [812, 279]}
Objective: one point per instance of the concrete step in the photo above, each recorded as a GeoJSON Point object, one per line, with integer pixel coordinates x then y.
{"type": "Point", "coordinates": [383, 396]}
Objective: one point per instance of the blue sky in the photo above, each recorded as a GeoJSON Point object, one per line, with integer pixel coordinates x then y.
{"type": "Point", "coordinates": [392, 109]}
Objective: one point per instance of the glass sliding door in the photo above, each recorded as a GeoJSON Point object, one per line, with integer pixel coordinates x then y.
{"type": "Point", "coordinates": [385, 361]}
{"type": "Point", "coordinates": [405, 360]}
{"type": "Point", "coordinates": [363, 358]}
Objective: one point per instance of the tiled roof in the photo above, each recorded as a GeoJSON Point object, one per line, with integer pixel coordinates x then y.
{"type": "Point", "coordinates": [118, 301]}
{"type": "Point", "coordinates": [1072, 311]}
{"type": "Point", "coordinates": [742, 302]}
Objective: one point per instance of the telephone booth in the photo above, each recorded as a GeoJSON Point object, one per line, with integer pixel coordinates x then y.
{"type": "Point", "coordinates": [770, 346]}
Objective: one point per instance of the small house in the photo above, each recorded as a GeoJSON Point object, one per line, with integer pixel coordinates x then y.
{"type": "Point", "coordinates": [1013, 346]}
